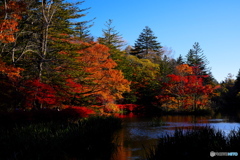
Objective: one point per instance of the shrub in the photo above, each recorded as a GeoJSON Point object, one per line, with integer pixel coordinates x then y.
{"type": "Point", "coordinates": [195, 143]}
{"type": "Point", "coordinates": [88, 138]}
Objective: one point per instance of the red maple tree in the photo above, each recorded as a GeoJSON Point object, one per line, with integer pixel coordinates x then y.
{"type": "Point", "coordinates": [38, 94]}
{"type": "Point", "coordinates": [185, 90]}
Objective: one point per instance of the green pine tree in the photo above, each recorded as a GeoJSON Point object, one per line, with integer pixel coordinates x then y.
{"type": "Point", "coordinates": [111, 37]}
{"type": "Point", "coordinates": [82, 32]}
{"type": "Point", "coordinates": [180, 60]}
{"type": "Point", "coordinates": [146, 44]}
{"type": "Point", "coordinates": [197, 59]}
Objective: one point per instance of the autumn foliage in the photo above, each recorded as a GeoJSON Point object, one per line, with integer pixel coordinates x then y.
{"type": "Point", "coordinates": [38, 94]}
{"type": "Point", "coordinates": [9, 83]}
{"type": "Point", "coordinates": [10, 13]}
{"type": "Point", "coordinates": [45, 64]}
{"type": "Point", "coordinates": [103, 80]}
{"type": "Point", "coordinates": [100, 83]}
{"type": "Point", "coordinates": [185, 90]}
{"type": "Point", "coordinates": [9, 71]}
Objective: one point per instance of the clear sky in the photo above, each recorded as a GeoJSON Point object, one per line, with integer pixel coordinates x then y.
{"type": "Point", "coordinates": [215, 24]}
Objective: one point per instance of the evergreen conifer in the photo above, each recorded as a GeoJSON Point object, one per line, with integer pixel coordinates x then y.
{"type": "Point", "coordinates": [146, 44]}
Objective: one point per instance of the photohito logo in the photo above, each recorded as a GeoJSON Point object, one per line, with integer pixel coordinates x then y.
{"type": "Point", "coordinates": [212, 153]}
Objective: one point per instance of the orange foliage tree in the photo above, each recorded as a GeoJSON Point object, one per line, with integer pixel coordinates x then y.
{"type": "Point", "coordinates": [185, 90]}
{"type": "Point", "coordinates": [67, 72]}
{"type": "Point", "coordinates": [9, 15]}
{"type": "Point", "coordinates": [98, 82]}
{"type": "Point", "coordinates": [9, 71]}
{"type": "Point", "coordinates": [9, 75]}
{"type": "Point", "coordinates": [106, 82]}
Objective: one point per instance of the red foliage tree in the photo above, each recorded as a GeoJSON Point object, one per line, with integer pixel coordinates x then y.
{"type": "Point", "coordinates": [38, 94]}
{"type": "Point", "coordinates": [185, 90]}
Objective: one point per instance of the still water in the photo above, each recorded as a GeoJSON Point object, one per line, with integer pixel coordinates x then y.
{"type": "Point", "coordinates": [140, 132]}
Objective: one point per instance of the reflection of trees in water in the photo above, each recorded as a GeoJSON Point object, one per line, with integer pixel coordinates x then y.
{"type": "Point", "coordinates": [189, 119]}
{"type": "Point", "coordinates": [137, 133]}
{"type": "Point", "coordinates": [131, 145]}
{"type": "Point", "coordinates": [122, 151]}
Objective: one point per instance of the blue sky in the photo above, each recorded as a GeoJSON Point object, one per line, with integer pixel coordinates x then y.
{"type": "Point", "coordinates": [215, 24]}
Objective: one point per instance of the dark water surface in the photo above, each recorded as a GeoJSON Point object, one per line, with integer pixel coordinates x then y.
{"type": "Point", "coordinates": [140, 132]}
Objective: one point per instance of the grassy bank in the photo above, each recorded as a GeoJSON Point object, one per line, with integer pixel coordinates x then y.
{"type": "Point", "coordinates": [196, 143]}
{"type": "Point", "coordinates": [85, 139]}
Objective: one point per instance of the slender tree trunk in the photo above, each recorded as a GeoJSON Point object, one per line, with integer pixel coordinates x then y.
{"type": "Point", "coordinates": [48, 11]}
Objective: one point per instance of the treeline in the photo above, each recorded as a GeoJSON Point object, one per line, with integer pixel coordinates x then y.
{"type": "Point", "coordinates": [49, 59]}
{"type": "Point", "coordinates": [228, 97]}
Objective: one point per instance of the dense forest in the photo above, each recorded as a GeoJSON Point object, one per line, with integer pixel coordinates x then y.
{"type": "Point", "coordinates": [49, 59]}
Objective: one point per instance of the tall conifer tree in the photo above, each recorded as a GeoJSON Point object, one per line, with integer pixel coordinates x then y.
{"type": "Point", "coordinates": [111, 37]}
{"type": "Point", "coordinates": [179, 60]}
{"type": "Point", "coordinates": [146, 43]}
{"type": "Point", "coordinates": [82, 32]}
{"type": "Point", "coordinates": [197, 59]}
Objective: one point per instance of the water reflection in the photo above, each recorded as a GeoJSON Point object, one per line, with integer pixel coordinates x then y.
{"type": "Point", "coordinates": [138, 132]}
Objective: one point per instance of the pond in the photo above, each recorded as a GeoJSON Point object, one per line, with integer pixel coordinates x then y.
{"type": "Point", "coordinates": [141, 132]}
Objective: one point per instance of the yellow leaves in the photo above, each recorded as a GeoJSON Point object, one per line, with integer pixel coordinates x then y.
{"type": "Point", "coordinates": [141, 62]}
{"type": "Point", "coordinates": [111, 107]}
{"type": "Point", "coordinates": [143, 68]}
